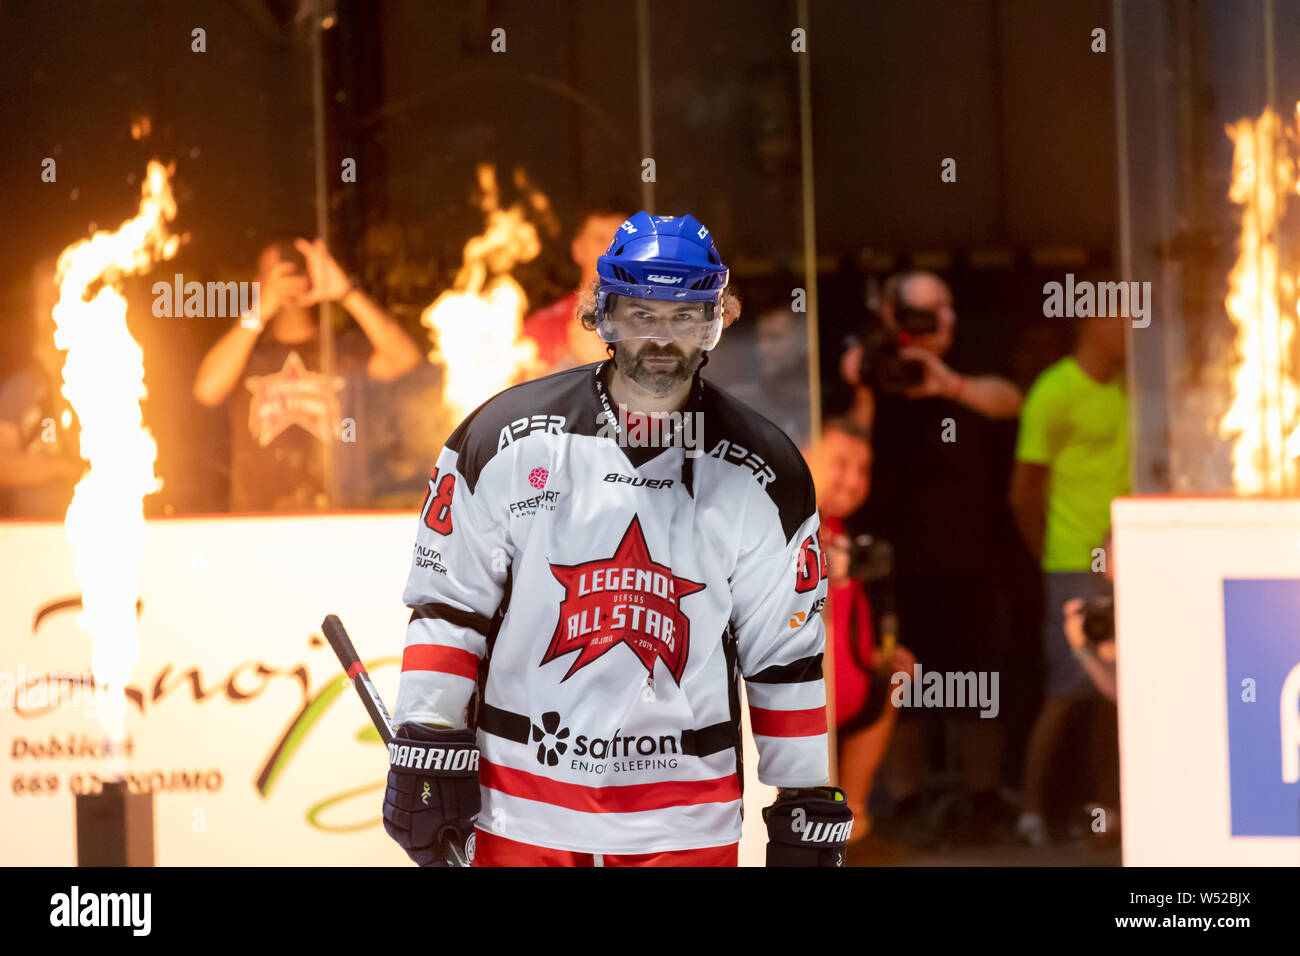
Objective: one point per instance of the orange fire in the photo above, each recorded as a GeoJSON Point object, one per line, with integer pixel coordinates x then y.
{"type": "Point", "coordinates": [475, 326]}
{"type": "Point", "coordinates": [103, 381]}
{"type": "Point", "coordinates": [1264, 417]}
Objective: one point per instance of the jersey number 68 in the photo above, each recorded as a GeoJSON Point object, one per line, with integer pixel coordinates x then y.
{"type": "Point", "coordinates": [437, 515]}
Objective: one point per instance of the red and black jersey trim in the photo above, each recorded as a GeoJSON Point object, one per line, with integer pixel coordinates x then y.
{"type": "Point", "coordinates": [612, 798]}
{"type": "Point", "coordinates": [731, 656]}
{"type": "Point", "coordinates": [477, 439]}
{"type": "Point", "coordinates": [575, 395]}
{"type": "Point", "coordinates": [712, 739]}
{"type": "Point", "coordinates": [504, 723]}
{"type": "Point", "coordinates": [452, 615]}
{"type": "Point", "coordinates": [796, 672]}
{"type": "Point", "coordinates": [701, 742]}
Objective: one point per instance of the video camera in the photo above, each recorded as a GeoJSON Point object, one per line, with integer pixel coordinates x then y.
{"type": "Point", "coordinates": [870, 559]}
{"type": "Point", "coordinates": [1099, 619]}
{"type": "Point", "coordinates": [883, 369]}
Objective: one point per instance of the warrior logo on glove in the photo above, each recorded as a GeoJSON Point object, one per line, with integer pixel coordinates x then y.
{"type": "Point", "coordinates": [808, 827]}
{"type": "Point", "coordinates": [819, 832]}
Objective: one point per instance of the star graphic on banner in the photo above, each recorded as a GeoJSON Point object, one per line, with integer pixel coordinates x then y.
{"type": "Point", "coordinates": [627, 598]}
{"type": "Point", "coordinates": [293, 396]}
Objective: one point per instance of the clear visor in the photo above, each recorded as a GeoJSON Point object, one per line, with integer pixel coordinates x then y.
{"type": "Point", "coordinates": [687, 323]}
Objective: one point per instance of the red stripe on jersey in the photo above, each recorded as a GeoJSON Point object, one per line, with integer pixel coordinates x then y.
{"type": "Point", "coordinates": [626, 798]}
{"type": "Point", "coordinates": [788, 723]}
{"type": "Point", "coordinates": [439, 657]}
{"type": "Point", "coordinates": [491, 849]}
{"type": "Point", "coordinates": [355, 669]}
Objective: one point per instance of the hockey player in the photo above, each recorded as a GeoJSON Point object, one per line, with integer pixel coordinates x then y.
{"type": "Point", "coordinates": [592, 578]}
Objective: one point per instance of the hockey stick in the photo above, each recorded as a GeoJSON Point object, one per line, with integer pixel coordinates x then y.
{"type": "Point", "coordinates": [451, 846]}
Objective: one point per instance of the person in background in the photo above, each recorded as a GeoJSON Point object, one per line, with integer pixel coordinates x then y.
{"type": "Point", "coordinates": [1098, 661]}
{"type": "Point", "coordinates": [561, 340]}
{"type": "Point", "coordinates": [1072, 459]}
{"type": "Point", "coordinates": [841, 468]}
{"type": "Point", "coordinates": [933, 497]}
{"type": "Point", "coordinates": [766, 367]}
{"type": "Point", "coordinates": [283, 409]}
{"type": "Point", "coordinates": [39, 459]}
{"type": "Point", "coordinates": [1097, 658]}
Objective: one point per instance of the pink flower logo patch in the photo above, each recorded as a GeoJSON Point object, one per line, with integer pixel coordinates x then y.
{"type": "Point", "coordinates": [537, 477]}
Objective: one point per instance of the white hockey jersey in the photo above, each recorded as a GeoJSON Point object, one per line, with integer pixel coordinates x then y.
{"type": "Point", "coordinates": [605, 599]}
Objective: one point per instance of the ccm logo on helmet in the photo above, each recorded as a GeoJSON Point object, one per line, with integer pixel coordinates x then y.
{"type": "Point", "coordinates": [433, 758]}
{"type": "Point", "coordinates": [666, 280]}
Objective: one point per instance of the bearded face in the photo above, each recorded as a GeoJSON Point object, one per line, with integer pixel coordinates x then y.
{"type": "Point", "coordinates": [660, 350]}
{"type": "Point", "coordinates": [658, 367]}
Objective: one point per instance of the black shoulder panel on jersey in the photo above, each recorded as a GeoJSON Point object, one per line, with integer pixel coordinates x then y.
{"type": "Point", "coordinates": [562, 402]}
{"type": "Point", "coordinates": [738, 435]}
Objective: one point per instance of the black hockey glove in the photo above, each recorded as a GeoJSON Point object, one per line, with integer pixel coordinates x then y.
{"type": "Point", "coordinates": [432, 790]}
{"type": "Point", "coordinates": [808, 827]}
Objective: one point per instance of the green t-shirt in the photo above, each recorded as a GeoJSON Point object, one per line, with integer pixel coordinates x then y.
{"type": "Point", "coordinates": [1078, 428]}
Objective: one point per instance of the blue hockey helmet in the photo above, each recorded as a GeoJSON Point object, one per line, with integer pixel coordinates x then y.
{"type": "Point", "coordinates": [670, 258]}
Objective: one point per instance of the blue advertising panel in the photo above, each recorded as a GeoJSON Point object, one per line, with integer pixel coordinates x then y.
{"type": "Point", "coordinates": [1262, 649]}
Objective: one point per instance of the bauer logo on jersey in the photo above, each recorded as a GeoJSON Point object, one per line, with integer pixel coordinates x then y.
{"type": "Point", "coordinates": [624, 599]}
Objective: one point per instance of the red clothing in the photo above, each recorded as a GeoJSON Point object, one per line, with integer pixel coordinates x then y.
{"type": "Point", "coordinates": [493, 850]}
{"type": "Point", "coordinates": [549, 328]}
{"type": "Point", "coordinates": [850, 620]}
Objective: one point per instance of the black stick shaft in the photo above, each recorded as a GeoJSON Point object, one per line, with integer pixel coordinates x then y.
{"type": "Point", "coordinates": [347, 655]}
{"type": "Point", "coordinates": [451, 845]}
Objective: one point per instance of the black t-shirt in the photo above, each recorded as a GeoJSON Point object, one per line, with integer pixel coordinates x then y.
{"type": "Point", "coordinates": [936, 500]}
{"type": "Point", "coordinates": [283, 411]}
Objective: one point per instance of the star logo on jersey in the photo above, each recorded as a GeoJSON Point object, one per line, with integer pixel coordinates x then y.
{"type": "Point", "coordinates": [293, 396]}
{"type": "Point", "coordinates": [627, 598]}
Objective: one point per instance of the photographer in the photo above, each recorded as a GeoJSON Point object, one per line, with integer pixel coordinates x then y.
{"type": "Point", "coordinates": [936, 496]}
{"type": "Point", "coordinates": [1089, 625]}
{"type": "Point", "coordinates": [841, 468]}
{"type": "Point", "coordinates": [905, 356]}
{"type": "Point", "coordinates": [1090, 631]}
